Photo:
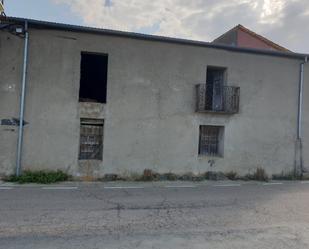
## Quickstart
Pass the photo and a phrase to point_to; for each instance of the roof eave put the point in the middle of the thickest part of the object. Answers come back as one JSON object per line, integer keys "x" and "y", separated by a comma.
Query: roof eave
{"x": 75, "y": 28}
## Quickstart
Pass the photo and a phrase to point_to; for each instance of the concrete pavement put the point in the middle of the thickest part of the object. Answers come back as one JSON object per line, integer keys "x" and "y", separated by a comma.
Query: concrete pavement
{"x": 155, "y": 215}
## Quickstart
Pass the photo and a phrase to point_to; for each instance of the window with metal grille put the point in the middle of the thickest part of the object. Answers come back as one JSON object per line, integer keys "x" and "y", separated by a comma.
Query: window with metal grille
{"x": 91, "y": 139}
{"x": 211, "y": 140}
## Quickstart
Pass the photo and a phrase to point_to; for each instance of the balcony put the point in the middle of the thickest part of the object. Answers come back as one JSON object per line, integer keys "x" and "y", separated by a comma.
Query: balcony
{"x": 217, "y": 99}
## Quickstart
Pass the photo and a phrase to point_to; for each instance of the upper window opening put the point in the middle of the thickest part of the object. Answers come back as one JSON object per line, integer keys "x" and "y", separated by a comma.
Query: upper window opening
{"x": 214, "y": 87}
{"x": 93, "y": 77}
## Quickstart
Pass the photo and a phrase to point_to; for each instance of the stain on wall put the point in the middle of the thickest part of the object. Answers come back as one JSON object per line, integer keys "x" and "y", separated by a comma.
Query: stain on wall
{"x": 12, "y": 122}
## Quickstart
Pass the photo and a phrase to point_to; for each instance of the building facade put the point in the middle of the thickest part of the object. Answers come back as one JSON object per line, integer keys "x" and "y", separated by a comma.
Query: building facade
{"x": 100, "y": 102}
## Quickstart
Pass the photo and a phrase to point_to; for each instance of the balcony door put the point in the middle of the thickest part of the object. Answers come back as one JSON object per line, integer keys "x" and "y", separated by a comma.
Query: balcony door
{"x": 214, "y": 88}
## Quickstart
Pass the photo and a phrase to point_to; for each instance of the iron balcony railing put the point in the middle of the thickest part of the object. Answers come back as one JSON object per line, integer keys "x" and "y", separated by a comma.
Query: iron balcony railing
{"x": 217, "y": 99}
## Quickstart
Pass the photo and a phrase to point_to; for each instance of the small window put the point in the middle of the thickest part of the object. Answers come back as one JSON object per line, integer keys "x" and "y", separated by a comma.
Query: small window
{"x": 211, "y": 140}
{"x": 91, "y": 139}
{"x": 93, "y": 78}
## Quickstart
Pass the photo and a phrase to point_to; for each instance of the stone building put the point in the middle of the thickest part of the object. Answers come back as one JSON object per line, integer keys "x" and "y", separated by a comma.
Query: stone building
{"x": 99, "y": 101}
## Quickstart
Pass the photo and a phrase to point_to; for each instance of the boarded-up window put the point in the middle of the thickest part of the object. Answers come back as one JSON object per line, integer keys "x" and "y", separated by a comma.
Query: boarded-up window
{"x": 91, "y": 139}
{"x": 211, "y": 140}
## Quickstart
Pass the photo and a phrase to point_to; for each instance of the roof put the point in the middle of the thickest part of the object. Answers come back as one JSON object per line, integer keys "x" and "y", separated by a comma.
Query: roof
{"x": 255, "y": 35}
{"x": 75, "y": 28}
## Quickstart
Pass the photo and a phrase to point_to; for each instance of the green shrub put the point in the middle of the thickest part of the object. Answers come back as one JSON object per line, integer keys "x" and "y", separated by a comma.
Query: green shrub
{"x": 44, "y": 177}
{"x": 169, "y": 176}
{"x": 189, "y": 176}
{"x": 133, "y": 177}
{"x": 111, "y": 178}
{"x": 214, "y": 176}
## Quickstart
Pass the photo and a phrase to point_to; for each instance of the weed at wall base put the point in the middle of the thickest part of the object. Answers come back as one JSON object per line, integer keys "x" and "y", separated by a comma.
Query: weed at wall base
{"x": 231, "y": 175}
{"x": 259, "y": 175}
{"x": 43, "y": 177}
{"x": 288, "y": 176}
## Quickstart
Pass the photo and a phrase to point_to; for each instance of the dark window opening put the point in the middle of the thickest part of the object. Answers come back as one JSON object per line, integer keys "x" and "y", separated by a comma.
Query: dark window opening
{"x": 93, "y": 77}
{"x": 214, "y": 88}
{"x": 91, "y": 139}
{"x": 211, "y": 140}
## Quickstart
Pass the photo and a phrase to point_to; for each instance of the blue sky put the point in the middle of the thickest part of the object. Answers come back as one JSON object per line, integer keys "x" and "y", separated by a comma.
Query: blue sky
{"x": 282, "y": 21}
{"x": 49, "y": 10}
{"x": 42, "y": 10}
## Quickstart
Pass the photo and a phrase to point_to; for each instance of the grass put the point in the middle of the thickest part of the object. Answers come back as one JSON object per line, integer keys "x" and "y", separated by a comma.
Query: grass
{"x": 43, "y": 177}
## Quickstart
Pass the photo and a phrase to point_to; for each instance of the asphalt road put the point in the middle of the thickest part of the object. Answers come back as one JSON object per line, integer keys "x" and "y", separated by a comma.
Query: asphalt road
{"x": 162, "y": 215}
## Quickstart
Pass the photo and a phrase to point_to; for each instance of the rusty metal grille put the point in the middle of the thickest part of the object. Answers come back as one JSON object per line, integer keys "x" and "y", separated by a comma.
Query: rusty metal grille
{"x": 209, "y": 140}
{"x": 224, "y": 99}
{"x": 91, "y": 140}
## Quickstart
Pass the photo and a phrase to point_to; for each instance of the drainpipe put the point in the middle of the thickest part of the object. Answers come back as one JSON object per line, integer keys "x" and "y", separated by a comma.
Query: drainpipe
{"x": 299, "y": 168}
{"x": 22, "y": 102}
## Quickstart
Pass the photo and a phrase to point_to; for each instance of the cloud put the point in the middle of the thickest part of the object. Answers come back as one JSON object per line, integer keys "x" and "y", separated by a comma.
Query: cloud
{"x": 280, "y": 20}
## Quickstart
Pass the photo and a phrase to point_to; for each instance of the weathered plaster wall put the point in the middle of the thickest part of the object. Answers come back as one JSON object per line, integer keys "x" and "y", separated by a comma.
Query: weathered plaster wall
{"x": 150, "y": 119}
{"x": 11, "y": 49}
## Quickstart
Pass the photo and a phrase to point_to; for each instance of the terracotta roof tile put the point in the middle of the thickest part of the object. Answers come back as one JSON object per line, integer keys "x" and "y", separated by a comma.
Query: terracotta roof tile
{"x": 257, "y": 36}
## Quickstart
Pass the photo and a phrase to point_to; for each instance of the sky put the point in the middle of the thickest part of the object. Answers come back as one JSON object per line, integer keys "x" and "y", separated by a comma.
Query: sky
{"x": 285, "y": 22}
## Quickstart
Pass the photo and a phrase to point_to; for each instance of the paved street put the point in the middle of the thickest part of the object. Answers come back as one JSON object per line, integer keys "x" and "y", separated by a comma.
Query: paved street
{"x": 160, "y": 215}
